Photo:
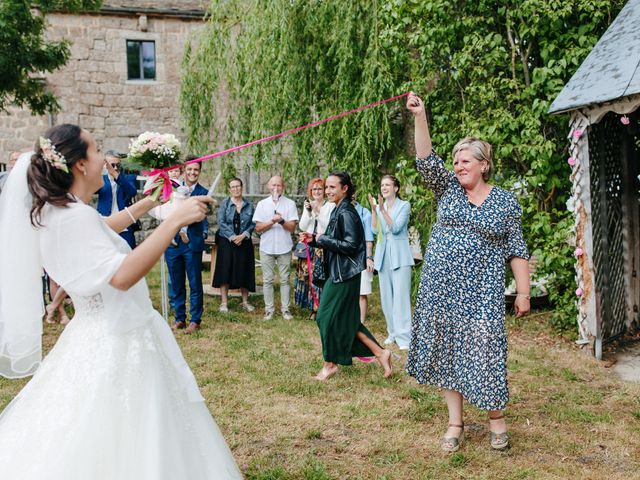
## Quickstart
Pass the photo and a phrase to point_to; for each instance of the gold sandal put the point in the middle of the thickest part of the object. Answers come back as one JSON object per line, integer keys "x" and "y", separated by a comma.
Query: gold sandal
{"x": 499, "y": 441}
{"x": 452, "y": 444}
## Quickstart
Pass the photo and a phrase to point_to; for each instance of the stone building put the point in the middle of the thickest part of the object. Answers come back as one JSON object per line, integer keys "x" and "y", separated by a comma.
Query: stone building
{"x": 123, "y": 76}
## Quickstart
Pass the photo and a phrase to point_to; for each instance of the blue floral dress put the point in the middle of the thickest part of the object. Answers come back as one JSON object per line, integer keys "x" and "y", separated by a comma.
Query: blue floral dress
{"x": 458, "y": 336}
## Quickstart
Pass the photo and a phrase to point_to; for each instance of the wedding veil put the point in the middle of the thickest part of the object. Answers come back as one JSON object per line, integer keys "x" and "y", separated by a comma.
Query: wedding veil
{"x": 21, "y": 300}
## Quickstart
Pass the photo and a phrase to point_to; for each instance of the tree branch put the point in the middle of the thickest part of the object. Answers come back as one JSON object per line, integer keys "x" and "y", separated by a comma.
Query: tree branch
{"x": 513, "y": 53}
{"x": 525, "y": 64}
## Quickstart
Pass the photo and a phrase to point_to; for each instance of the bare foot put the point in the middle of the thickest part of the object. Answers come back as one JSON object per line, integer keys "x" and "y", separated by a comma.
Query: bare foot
{"x": 50, "y": 314}
{"x": 326, "y": 373}
{"x": 385, "y": 361}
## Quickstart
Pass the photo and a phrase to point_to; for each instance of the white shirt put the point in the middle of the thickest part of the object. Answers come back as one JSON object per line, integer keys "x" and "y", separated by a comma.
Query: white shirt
{"x": 308, "y": 220}
{"x": 276, "y": 240}
{"x": 114, "y": 196}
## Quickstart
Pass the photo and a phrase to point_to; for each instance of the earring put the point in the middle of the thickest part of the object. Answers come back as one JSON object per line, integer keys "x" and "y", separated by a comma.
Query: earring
{"x": 84, "y": 172}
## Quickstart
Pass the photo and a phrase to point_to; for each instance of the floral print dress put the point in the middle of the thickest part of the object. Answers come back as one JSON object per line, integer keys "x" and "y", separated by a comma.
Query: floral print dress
{"x": 458, "y": 336}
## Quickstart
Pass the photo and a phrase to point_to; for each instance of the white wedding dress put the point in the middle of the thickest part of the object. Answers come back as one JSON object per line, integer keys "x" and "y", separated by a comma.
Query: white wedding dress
{"x": 114, "y": 399}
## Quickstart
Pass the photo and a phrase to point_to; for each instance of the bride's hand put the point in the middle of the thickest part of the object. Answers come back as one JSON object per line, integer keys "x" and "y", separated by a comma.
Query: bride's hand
{"x": 191, "y": 210}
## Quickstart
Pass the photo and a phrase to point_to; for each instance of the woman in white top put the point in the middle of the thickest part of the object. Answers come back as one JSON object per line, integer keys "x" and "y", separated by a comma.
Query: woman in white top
{"x": 315, "y": 218}
{"x": 114, "y": 398}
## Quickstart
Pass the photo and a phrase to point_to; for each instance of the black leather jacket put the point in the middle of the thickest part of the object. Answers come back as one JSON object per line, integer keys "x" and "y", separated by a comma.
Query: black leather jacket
{"x": 343, "y": 243}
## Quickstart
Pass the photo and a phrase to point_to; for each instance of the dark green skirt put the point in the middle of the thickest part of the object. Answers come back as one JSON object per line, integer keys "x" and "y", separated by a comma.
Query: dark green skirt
{"x": 338, "y": 319}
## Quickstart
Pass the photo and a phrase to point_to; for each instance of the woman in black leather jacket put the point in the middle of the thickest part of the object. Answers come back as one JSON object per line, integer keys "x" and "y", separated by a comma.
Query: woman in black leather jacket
{"x": 343, "y": 336}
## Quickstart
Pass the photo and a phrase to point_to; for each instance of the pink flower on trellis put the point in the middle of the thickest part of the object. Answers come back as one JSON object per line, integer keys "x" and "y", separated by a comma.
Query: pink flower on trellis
{"x": 571, "y": 161}
{"x": 579, "y": 292}
{"x": 577, "y": 133}
{"x": 578, "y": 252}
{"x": 625, "y": 120}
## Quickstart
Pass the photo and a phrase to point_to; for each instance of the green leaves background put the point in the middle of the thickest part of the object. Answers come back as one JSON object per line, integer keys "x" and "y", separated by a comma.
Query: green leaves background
{"x": 489, "y": 68}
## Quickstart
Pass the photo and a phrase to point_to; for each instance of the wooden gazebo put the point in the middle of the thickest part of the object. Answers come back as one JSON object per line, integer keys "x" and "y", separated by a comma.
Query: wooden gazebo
{"x": 603, "y": 99}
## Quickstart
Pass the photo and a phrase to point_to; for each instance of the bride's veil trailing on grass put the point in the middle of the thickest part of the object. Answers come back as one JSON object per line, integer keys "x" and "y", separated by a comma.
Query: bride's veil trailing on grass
{"x": 21, "y": 300}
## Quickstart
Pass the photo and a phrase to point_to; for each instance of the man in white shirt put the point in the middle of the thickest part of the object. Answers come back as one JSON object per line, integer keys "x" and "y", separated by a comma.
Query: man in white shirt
{"x": 276, "y": 217}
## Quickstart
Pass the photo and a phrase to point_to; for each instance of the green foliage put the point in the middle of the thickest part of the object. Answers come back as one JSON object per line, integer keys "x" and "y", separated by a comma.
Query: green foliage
{"x": 284, "y": 64}
{"x": 548, "y": 241}
{"x": 25, "y": 53}
{"x": 492, "y": 69}
{"x": 484, "y": 68}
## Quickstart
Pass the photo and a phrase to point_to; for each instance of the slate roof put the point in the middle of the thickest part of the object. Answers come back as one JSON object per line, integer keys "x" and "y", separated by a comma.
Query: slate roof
{"x": 611, "y": 70}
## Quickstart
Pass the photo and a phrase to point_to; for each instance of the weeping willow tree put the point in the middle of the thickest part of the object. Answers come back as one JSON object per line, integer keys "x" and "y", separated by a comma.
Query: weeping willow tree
{"x": 488, "y": 68}
{"x": 262, "y": 67}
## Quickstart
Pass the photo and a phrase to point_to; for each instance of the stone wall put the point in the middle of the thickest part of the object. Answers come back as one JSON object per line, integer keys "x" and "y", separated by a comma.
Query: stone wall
{"x": 93, "y": 89}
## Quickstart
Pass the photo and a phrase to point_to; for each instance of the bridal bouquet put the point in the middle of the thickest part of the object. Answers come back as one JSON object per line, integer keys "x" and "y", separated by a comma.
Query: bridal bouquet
{"x": 155, "y": 153}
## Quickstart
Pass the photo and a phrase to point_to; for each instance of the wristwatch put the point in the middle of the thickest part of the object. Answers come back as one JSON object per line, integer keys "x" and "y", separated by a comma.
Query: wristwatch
{"x": 281, "y": 221}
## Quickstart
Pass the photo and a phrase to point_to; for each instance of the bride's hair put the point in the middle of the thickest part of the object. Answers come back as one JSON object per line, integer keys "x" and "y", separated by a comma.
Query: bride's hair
{"x": 47, "y": 182}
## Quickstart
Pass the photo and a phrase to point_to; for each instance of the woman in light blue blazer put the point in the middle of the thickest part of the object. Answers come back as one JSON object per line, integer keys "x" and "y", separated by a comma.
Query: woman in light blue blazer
{"x": 393, "y": 260}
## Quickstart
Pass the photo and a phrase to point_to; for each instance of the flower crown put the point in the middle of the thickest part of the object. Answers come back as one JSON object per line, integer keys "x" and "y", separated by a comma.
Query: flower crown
{"x": 51, "y": 155}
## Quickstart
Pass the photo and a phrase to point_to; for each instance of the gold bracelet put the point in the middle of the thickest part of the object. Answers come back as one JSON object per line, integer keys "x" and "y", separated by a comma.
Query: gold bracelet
{"x": 133, "y": 219}
{"x": 525, "y": 295}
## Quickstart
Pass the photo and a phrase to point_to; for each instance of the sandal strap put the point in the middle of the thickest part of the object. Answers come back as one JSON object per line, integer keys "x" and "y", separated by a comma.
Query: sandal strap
{"x": 456, "y": 425}
{"x": 499, "y": 417}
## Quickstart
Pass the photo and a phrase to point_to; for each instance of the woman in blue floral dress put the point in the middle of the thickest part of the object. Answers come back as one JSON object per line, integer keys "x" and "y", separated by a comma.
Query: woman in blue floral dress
{"x": 459, "y": 340}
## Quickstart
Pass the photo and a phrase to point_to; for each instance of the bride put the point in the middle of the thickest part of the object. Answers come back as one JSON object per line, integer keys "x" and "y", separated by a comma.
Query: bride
{"x": 114, "y": 399}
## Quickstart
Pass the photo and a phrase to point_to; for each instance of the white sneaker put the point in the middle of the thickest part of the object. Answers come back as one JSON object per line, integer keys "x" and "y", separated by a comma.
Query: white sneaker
{"x": 388, "y": 341}
{"x": 223, "y": 307}
{"x": 286, "y": 315}
{"x": 267, "y": 316}
{"x": 248, "y": 307}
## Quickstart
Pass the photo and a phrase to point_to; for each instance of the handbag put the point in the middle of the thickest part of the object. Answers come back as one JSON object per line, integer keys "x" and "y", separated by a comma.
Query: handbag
{"x": 300, "y": 251}
{"x": 319, "y": 276}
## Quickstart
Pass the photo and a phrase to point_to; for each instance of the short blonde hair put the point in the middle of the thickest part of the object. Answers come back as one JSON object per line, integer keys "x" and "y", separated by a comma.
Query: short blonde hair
{"x": 480, "y": 150}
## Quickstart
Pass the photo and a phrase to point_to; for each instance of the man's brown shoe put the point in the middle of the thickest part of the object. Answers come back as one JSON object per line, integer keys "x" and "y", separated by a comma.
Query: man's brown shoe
{"x": 193, "y": 327}
{"x": 178, "y": 326}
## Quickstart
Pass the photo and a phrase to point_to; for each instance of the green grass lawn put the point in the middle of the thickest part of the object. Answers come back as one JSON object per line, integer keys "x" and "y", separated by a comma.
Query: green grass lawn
{"x": 569, "y": 416}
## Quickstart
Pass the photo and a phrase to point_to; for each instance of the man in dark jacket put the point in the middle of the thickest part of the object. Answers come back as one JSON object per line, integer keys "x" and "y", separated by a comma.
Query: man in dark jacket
{"x": 118, "y": 191}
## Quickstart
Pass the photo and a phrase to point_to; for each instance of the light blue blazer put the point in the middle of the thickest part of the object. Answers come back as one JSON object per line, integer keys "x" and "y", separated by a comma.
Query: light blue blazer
{"x": 393, "y": 244}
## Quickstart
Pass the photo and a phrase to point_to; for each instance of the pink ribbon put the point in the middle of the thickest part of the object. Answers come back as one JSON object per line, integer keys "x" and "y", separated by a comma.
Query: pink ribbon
{"x": 310, "y": 273}
{"x": 165, "y": 186}
{"x": 293, "y": 130}
{"x": 166, "y": 183}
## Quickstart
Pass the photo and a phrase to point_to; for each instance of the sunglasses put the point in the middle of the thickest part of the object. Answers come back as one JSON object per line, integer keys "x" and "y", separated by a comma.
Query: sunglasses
{"x": 116, "y": 166}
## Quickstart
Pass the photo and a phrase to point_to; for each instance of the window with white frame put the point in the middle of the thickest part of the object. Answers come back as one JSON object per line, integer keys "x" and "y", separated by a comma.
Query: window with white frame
{"x": 141, "y": 60}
